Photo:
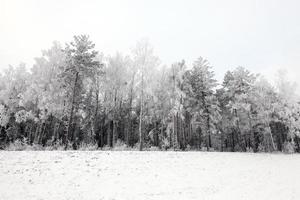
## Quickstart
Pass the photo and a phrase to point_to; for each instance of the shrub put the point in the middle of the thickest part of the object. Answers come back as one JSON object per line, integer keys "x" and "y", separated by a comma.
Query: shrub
{"x": 17, "y": 145}
{"x": 22, "y": 145}
{"x": 188, "y": 147}
{"x": 289, "y": 147}
{"x": 249, "y": 150}
{"x": 106, "y": 148}
{"x": 87, "y": 147}
{"x": 153, "y": 148}
{"x": 120, "y": 146}
{"x": 56, "y": 146}
{"x": 261, "y": 148}
{"x": 165, "y": 144}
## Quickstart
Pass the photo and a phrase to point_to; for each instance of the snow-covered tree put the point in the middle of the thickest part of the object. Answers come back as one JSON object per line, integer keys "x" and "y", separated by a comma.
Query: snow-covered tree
{"x": 203, "y": 103}
{"x": 146, "y": 62}
{"x": 81, "y": 64}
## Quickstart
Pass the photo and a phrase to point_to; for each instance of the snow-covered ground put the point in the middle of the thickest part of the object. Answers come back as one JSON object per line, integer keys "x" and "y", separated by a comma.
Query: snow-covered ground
{"x": 133, "y": 175}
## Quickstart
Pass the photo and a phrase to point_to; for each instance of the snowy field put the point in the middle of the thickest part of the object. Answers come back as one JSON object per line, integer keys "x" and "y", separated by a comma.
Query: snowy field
{"x": 148, "y": 175}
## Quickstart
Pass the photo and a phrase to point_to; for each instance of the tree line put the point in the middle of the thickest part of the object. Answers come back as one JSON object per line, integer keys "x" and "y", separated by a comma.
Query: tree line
{"x": 74, "y": 95}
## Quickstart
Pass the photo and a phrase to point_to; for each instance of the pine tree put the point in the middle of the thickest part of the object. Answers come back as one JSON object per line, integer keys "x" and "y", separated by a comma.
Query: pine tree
{"x": 237, "y": 86}
{"x": 204, "y": 105}
{"x": 81, "y": 64}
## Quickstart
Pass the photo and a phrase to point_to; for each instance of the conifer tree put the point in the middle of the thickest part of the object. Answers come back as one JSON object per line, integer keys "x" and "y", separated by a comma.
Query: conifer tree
{"x": 204, "y": 105}
{"x": 81, "y": 63}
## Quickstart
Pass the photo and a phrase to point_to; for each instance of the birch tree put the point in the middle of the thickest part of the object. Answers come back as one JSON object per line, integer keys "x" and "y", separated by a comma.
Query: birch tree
{"x": 146, "y": 62}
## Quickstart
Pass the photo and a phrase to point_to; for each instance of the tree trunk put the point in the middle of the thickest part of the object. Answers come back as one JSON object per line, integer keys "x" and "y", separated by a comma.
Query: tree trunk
{"x": 183, "y": 125}
{"x": 129, "y": 133}
{"x": 114, "y": 119}
{"x": 101, "y": 132}
{"x": 30, "y": 133}
{"x": 37, "y": 132}
{"x": 232, "y": 143}
{"x": 208, "y": 137}
{"x": 199, "y": 135}
{"x": 41, "y": 133}
{"x": 272, "y": 140}
{"x": 70, "y": 123}
{"x": 141, "y": 116}
{"x": 109, "y": 135}
{"x": 190, "y": 132}
{"x": 130, "y": 128}
{"x": 174, "y": 132}
{"x": 250, "y": 126}
{"x": 155, "y": 134}
{"x": 114, "y": 133}
{"x": 208, "y": 130}
{"x": 95, "y": 127}
{"x": 222, "y": 140}
{"x": 179, "y": 135}
{"x": 161, "y": 133}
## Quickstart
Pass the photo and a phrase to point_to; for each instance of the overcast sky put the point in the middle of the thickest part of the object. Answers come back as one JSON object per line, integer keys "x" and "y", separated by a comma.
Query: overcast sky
{"x": 262, "y": 35}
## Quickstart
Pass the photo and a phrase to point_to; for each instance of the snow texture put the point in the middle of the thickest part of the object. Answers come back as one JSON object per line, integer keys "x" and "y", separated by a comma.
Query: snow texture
{"x": 148, "y": 175}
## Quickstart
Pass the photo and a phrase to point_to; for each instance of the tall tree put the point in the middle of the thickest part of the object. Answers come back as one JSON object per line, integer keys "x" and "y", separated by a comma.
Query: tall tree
{"x": 176, "y": 77}
{"x": 117, "y": 77}
{"x": 46, "y": 95}
{"x": 81, "y": 63}
{"x": 146, "y": 62}
{"x": 237, "y": 86}
{"x": 200, "y": 89}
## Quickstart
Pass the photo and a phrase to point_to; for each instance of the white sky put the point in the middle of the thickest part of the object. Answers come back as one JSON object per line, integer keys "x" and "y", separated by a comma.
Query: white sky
{"x": 261, "y": 35}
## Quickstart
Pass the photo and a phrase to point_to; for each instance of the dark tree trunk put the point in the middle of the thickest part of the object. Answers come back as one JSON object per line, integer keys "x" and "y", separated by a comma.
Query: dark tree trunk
{"x": 70, "y": 123}
{"x": 109, "y": 142}
{"x": 232, "y": 141}
{"x": 114, "y": 133}
{"x": 222, "y": 141}
{"x": 199, "y": 138}
{"x": 141, "y": 136}
{"x": 101, "y": 137}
